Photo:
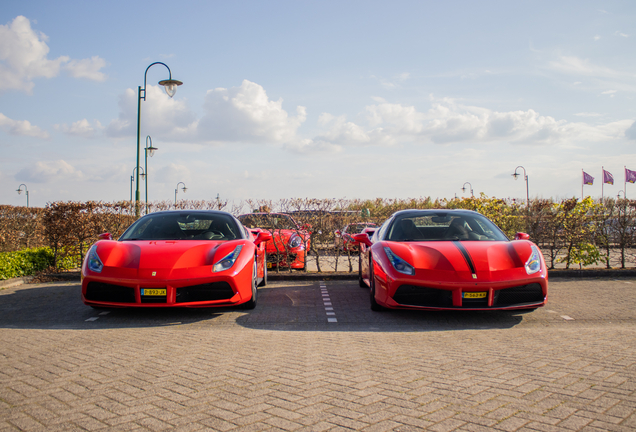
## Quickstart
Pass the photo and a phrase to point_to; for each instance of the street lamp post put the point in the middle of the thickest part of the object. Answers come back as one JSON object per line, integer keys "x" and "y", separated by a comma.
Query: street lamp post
{"x": 525, "y": 176}
{"x": 149, "y": 151}
{"x": 184, "y": 189}
{"x": 619, "y": 194}
{"x": 19, "y": 191}
{"x": 132, "y": 178}
{"x": 170, "y": 86}
{"x": 471, "y": 188}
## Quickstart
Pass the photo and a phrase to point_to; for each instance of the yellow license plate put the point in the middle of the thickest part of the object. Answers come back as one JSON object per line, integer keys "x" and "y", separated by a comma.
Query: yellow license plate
{"x": 269, "y": 265}
{"x": 153, "y": 292}
{"x": 472, "y": 295}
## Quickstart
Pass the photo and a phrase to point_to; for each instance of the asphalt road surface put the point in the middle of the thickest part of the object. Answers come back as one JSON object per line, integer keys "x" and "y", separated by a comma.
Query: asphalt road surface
{"x": 313, "y": 356}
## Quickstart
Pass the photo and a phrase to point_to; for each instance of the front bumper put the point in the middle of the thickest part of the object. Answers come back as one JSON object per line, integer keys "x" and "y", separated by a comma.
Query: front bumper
{"x": 217, "y": 291}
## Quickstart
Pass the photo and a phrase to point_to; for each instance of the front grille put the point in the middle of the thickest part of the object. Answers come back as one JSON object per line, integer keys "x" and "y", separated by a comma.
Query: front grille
{"x": 205, "y": 292}
{"x": 422, "y": 296}
{"x": 99, "y": 291}
{"x": 531, "y": 293}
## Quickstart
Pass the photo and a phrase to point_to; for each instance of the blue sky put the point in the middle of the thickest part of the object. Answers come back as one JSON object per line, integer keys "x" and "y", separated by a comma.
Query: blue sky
{"x": 317, "y": 99}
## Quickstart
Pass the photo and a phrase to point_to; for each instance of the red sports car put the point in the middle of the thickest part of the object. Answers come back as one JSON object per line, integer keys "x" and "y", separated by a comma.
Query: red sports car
{"x": 448, "y": 260}
{"x": 290, "y": 242}
{"x": 343, "y": 239}
{"x": 190, "y": 258}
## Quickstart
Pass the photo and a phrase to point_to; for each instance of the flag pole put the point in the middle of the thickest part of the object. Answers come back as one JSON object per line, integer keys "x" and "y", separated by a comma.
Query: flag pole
{"x": 582, "y": 183}
{"x": 625, "y": 184}
{"x": 602, "y": 182}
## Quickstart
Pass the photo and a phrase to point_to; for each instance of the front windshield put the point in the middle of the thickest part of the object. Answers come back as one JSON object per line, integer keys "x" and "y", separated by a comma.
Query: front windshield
{"x": 441, "y": 226}
{"x": 268, "y": 221}
{"x": 183, "y": 226}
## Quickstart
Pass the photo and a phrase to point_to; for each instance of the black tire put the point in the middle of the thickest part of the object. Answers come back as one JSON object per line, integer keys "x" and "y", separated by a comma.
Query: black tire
{"x": 375, "y": 307}
{"x": 264, "y": 280}
{"x": 361, "y": 281}
{"x": 251, "y": 304}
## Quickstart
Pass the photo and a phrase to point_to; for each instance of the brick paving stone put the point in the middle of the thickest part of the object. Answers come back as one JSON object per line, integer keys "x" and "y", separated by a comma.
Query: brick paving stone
{"x": 283, "y": 367}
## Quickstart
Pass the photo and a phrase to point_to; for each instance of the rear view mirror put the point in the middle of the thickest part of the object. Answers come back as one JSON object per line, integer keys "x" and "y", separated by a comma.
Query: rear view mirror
{"x": 522, "y": 236}
{"x": 262, "y": 236}
{"x": 362, "y": 238}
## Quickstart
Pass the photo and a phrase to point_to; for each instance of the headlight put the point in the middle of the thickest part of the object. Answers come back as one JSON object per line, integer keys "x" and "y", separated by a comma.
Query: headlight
{"x": 295, "y": 241}
{"x": 398, "y": 263}
{"x": 228, "y": 260}
{"x": 533, "y": 264}
{"x": 93, "y": 261}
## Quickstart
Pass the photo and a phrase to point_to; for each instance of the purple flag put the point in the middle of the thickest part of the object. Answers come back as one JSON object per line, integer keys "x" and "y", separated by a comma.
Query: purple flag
{"x": 630, "y": 176}
{"x": 608, "y": 177}
{"x": 587, "y": 179}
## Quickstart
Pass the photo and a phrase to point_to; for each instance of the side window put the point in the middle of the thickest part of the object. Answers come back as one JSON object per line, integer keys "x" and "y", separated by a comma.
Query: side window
{"x": 379, "y": 234}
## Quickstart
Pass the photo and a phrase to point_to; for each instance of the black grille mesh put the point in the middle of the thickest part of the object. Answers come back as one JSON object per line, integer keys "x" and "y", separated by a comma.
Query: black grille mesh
{"x": 99, "y": 291}
{"x": 205, "y": 292}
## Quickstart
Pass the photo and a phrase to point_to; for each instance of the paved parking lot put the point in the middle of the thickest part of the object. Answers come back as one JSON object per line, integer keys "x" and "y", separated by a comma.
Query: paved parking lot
{"x": 312, "y": 356}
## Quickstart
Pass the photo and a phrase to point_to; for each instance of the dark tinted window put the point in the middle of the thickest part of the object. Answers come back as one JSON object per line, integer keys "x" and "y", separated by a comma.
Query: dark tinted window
{"x": 428, "y": 226}
{"x": 183, "y": 226}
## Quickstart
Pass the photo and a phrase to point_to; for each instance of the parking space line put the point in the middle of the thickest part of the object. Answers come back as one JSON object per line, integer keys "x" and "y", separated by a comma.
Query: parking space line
{"x": 93, "y": 319}
{"x": 327, "y": 303}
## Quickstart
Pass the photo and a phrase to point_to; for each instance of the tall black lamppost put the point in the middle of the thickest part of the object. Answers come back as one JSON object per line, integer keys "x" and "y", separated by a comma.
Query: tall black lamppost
{"x": 525, "y": 176}
{"x": 471, "y": 188}
{"x": 132, "y": 178}
{"x": 19, "y": 191}
{"x": 170, "y": 86}
{"x": 184, "y": 189}
{"x": 149, "y": 151}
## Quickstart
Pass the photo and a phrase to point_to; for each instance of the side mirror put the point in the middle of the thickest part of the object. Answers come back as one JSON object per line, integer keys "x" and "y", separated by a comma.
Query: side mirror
{"x": 262, "y": 236}
{"x": 105, "y": 236}
{"x": 362, "y": 238}
{"x": 337, "y": 233}
{"x": 522, "y": 236}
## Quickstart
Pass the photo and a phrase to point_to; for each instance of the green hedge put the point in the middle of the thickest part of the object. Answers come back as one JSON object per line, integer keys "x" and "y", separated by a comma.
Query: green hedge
{"x": 28, "y": 261}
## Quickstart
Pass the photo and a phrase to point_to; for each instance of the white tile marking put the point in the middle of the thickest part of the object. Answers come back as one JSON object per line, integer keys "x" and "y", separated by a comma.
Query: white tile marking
{"x": 331, "y": 313}
{"x": 93, "y": 319}
{"x": 332, "y": 320}
{"x": 328, "y": 308}
{"x": 104, "y": 313}
{"x": 567, "y": 318}
{"x": 328, "y": 304}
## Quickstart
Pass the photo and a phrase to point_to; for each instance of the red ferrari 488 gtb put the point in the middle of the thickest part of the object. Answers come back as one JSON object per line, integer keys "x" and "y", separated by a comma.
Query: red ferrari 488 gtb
{"x": 449, "y": 260}
{"x": 191, "y": 258}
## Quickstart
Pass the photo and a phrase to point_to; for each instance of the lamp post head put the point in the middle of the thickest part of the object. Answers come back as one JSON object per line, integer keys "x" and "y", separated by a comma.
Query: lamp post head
{"x": 19, "y": 191}
{"x": 515, "y": 175}
{"x": 151, "y": 150}
{"x": 463, "y": 188}
{"x": 170, "y": 86}
{"x": 184, "y": 189}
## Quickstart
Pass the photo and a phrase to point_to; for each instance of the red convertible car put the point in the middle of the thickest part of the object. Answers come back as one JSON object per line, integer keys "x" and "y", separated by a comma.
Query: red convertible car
{"x": 448, "y": 260}
{"x": 185, "y": 258}
{"x": 343, "y": 239}
{"x": 290, "y": 242}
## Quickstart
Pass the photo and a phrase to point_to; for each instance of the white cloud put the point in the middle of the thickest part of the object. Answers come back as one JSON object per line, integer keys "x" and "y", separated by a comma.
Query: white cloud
{"x": 87, "y": 68}
{"x": 246, "y": 113}
{"x": 173, "y": 174}
{"x": 81, "y": 128}
{"x": 630, "y": 133}
{"x": 160, "y": 116}
{"x": 23, "y": 57}
{"x": 42, "y": 172}
{"x": 449, "y": 122}
{"x": 21, "y": 128}
{"x": 618, "y": 33}
{"x": 588, "y": 114}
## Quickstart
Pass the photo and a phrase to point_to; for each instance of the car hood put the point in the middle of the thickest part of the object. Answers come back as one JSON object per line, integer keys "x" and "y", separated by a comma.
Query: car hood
{"x": 472, "y": 259}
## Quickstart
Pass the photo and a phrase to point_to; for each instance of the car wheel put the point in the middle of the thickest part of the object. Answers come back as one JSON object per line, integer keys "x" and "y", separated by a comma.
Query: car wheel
{"x": 361, "y": 281}
{"x": 264, "y": 281}
{"x": 374, "y": 305}
{"x": 251, "y": 304}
